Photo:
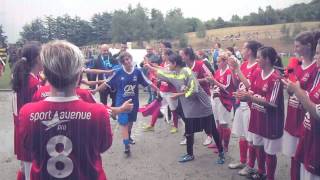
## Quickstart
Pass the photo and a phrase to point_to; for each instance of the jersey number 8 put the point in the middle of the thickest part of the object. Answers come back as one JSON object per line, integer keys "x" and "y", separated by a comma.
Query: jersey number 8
{"x": 59, "y": 165}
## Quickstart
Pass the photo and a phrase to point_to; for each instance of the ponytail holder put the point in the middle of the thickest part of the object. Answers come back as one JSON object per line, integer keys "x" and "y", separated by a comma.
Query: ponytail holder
{"x": 24, "y": 59}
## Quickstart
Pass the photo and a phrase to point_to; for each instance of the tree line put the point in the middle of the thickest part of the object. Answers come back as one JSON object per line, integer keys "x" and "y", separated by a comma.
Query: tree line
{"x": 141, "y": 24}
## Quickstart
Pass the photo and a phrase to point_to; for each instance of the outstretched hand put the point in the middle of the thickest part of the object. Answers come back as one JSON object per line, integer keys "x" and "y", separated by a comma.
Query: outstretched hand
{"x": 127, "y": 106}
{"x": 291, "y": 86}
{"x": 242, "y": 95}
{"x": 233, "y": 64}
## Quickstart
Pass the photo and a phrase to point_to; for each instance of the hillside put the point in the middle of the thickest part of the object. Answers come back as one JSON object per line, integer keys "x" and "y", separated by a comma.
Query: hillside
{"x": 268, "y": 35}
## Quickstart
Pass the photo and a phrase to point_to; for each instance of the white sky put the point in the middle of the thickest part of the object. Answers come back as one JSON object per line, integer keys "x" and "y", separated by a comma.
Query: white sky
{"x": 15, "y": 13}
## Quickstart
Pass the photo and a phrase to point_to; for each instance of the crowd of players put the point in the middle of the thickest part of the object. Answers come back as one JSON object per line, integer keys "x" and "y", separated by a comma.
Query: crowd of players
{"x": 61, "y": 131}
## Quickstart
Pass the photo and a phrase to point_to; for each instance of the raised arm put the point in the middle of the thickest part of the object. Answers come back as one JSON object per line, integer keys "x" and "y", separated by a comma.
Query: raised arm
{"x": 98, "y": 71}
{"x": 237, "y": 72}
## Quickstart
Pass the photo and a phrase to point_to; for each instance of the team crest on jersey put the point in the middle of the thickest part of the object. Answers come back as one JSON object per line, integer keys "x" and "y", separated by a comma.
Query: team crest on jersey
{"x": 135, "y": 78}
{"x": 307, "y": 122}
{"x": 265, "y": 87}
{"x": 305, "y": 77}
{"x": 122, "y": 78}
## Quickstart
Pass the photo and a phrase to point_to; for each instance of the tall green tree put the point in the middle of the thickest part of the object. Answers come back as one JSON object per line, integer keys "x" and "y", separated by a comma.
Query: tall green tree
{"x": 158, "y": 26}
{"x": 192, "y": 24}
{"x": 120, "y": 29}
{"x": 201, "y": 30}
{"x": 140, "y": 25}
{"x": 176, "y": 23}
{"x": 101, "y": 27}
{"x": 235, "y": 20}
{"x": 35, "y": 31}
{"x": 210, "y": 23}
{"x": 3, "y": 38}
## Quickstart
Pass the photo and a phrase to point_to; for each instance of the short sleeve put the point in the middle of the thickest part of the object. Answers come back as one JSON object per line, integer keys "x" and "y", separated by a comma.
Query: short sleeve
{"x": 318, "y": 109}
{"x": 104, "y": 130}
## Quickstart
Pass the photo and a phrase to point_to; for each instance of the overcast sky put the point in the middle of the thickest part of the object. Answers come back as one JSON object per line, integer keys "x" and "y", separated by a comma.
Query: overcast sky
{"x": 16, "y": 13}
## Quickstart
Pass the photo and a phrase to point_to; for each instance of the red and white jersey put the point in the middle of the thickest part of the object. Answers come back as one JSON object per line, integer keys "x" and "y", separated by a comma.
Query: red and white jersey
{"x": 25, "y": 95}
{"x": 44, "y": 92}
{"x": 295, "y": 113}
{"x": 201, "y": 71}
{"x": 19, "y": 99}
{"x": 267, "y": 121}
{"x": 66, "y": 137}
{"x": 225, "y": 95}
{"x": 308, "y": 150}
{"x": 165, "y": 86}
{"x": 247, "y": 72}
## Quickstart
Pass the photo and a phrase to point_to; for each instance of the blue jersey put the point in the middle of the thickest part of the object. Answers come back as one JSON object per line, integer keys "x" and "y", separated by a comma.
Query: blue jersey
{"x": 126, "y": 84}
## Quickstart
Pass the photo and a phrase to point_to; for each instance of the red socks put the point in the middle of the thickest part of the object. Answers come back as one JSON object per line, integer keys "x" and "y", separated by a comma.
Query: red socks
{"x": 226, "y": 138}
{"x": 20, "y": 175}
{"x": 154, "y": 116}
{"x": 271, "y": 161}
{"x": 252, "y": 156}
{"x": 175, "y": 119}
{"x": 243, "y": 146}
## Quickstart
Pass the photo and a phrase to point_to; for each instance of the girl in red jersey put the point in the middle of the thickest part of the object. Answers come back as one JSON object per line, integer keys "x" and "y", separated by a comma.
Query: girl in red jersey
{"x": 308, "y": 148}
{"x": 25, "y": 83}
{"x": 241, "y": 78}
{"x": 65, "y": 134}
{"x": 223, "y": 83}
{"x": 267, "y": 112}
{"x": 166, "y": 91}
{"x": 305, "y": 73}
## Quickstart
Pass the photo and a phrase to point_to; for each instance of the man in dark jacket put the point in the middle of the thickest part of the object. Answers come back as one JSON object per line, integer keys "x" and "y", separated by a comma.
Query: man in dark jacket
{"x": 105, "y": 61}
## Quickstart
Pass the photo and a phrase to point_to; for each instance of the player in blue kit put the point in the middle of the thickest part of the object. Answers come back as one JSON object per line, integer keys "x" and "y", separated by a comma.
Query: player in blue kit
{"x": 126, "y": 81}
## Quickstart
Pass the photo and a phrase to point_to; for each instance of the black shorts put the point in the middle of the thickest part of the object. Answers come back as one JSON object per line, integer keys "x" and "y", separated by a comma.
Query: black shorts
{"x": 193, "y": 125}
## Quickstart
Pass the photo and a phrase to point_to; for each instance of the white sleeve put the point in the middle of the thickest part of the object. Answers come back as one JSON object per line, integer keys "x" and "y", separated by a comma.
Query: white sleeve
{"x": 318, "y": 109}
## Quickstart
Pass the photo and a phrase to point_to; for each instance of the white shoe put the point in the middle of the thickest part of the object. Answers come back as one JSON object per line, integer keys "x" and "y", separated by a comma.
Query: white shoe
{"x": 237, "y": 165}
{"x": 184, "y": 141}
{"x": 246, "y": 171}
{"x": 207, "y": 141}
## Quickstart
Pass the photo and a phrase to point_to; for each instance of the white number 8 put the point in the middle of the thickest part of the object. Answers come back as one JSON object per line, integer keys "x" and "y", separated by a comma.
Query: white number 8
{"x": 59, "y": 165}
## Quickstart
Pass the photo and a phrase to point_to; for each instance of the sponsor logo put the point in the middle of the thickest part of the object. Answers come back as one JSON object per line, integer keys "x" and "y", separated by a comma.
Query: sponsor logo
{"x": 294, "y": 102}
{"x": 58, "y": 118}
{"x": 129, "y": 90}
{"x": 55, "y": 121}
{"x": 135, "y": 78}
{"x": 259, "y": 107}
{"x": 305, "y": 77}
{"x": 265, "y": 87}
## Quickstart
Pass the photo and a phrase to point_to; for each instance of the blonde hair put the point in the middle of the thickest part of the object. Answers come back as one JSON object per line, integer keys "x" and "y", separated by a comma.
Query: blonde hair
{"x": 63, "y": 62}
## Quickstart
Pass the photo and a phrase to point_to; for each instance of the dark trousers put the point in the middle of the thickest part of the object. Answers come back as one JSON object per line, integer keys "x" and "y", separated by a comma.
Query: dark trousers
{"x": 92, "y": 77}
{"x": 104, "y": 96}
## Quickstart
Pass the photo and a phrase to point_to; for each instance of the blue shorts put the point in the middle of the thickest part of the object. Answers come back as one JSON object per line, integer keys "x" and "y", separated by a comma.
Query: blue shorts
{"x": 125, "y": 118}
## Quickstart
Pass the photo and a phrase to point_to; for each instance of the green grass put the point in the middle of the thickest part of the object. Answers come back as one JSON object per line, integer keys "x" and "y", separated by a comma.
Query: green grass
{"x": 5, "y": 78}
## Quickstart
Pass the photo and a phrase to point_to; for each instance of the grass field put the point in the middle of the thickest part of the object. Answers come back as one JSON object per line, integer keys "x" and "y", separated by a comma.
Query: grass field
{"x": 5, "y": 78}
{"x": 269, "y": 35}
